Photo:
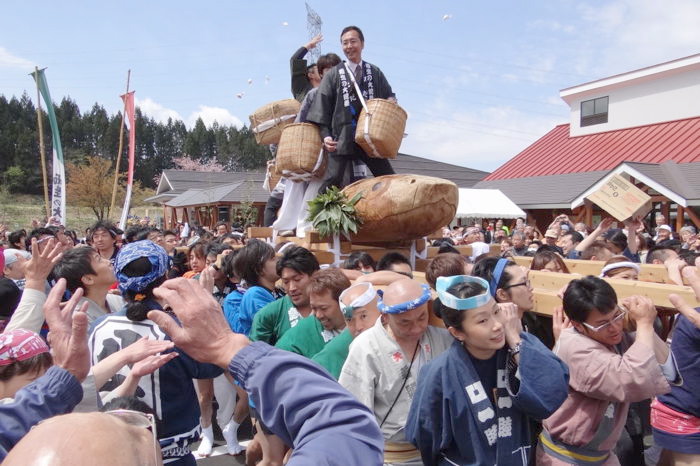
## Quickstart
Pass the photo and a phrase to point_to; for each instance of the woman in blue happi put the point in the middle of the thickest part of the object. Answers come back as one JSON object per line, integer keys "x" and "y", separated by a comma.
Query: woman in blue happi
{"x": 473, "y": 402}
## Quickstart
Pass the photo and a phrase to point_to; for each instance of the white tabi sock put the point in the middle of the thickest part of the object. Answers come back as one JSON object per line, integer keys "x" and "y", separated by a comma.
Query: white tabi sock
{"x": 207, "y": 442}
{"x": 230, "y": 433}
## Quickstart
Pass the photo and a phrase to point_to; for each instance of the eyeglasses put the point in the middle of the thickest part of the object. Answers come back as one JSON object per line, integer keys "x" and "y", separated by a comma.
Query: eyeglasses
{"x": 621, "y": 315}
{"x": 139, "y": 419}
{"x": 525, "y": 283}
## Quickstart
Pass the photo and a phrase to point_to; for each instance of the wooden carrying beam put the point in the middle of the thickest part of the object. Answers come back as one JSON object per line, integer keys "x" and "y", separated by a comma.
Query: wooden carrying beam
{"x": 658, "y": 292}
{"x": 648, "y": 272}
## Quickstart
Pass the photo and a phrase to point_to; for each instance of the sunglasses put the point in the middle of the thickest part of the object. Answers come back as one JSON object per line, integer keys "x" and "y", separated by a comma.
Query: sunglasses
{"x": 139, "y": 419}
{"x": 618, "y": 317}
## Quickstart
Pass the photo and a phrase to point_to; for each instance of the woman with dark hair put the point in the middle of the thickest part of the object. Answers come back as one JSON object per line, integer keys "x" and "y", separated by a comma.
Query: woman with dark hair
{"x": 140, "y": 268}
{"x": 197, "y": 259}
{"x": 255, "y": 265}
{"x": 548, "y": 261}
{"x": 509, "y": 284}
{"x": 507, "y": 374}
{"x": 360, "y": 260}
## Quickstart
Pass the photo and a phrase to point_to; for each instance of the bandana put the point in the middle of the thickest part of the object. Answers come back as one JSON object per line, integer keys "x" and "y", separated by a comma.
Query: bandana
{"x": 408, "y": 305}
{"x": 20, "y": 345}
{"x": 619, "y": 265}
{"x": 10, "y": 255}
{"x": 130, "y": 252}
{"x": 361, "y": 301}
{"x": 497, "y": 272}
{"x": 461, "y": 304}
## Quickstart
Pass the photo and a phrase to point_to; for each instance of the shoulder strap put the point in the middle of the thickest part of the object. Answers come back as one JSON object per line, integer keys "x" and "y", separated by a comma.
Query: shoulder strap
{"x": 357, "y": 87}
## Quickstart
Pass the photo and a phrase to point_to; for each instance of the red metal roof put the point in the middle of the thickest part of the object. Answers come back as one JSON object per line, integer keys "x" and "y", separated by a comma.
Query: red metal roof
{"x": 557, "y": 153}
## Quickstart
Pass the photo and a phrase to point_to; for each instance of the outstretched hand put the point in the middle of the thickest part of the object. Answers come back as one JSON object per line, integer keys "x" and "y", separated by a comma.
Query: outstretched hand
{"x": 205, "y": 335}
{"x": 68, "y": 331}
{"x": 42, "y": 262}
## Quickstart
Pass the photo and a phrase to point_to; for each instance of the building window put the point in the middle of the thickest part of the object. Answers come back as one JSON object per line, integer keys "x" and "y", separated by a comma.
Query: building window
{"x": 594, "y": 111}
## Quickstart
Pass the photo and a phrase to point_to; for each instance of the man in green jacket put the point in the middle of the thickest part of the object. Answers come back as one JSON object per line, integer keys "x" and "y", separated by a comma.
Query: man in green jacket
{"x": 295, "y": 268}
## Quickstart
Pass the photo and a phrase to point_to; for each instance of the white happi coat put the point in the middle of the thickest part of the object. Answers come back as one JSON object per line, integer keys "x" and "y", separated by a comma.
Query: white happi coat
{"x": 376, "y": 367}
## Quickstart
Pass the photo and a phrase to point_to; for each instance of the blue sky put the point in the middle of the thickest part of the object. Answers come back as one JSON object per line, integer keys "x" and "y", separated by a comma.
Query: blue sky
{"x": 479, "y": 80}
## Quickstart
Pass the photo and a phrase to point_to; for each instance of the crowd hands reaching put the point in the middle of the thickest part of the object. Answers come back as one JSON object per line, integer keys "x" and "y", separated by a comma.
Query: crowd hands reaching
{"x": 124, "y": 310}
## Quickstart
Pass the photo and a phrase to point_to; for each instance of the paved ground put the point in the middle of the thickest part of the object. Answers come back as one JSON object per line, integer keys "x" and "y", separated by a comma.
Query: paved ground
{"x": 219, "y": 456}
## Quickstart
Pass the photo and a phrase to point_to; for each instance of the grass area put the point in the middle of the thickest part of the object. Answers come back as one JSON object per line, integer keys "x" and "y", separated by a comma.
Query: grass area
{"x": 18, "y": 210}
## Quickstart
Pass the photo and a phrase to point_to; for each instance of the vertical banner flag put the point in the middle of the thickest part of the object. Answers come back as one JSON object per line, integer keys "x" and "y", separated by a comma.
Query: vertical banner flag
{"x": 58, "y": 178}
{"x": 128, "y": 99}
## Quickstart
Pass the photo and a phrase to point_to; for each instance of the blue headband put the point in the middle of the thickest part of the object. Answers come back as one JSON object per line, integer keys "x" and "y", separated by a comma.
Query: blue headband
{"x": 461, "y": 304}
{"x": 155, "y": 254}
{"x": 496, "y": 277}
{"x": 408, "y": 305}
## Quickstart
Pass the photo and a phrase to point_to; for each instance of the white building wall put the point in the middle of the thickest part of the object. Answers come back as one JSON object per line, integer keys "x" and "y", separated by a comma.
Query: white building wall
{"x": 652, "y": 99}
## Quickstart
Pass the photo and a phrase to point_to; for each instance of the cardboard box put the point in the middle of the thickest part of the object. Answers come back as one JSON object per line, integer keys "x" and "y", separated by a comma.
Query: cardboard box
{"x": 621, "y": 199}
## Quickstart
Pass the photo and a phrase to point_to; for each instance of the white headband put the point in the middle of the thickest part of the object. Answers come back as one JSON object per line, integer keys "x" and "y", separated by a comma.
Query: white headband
{"x": 362, "y": 300}
{"x": 619, "y": 265}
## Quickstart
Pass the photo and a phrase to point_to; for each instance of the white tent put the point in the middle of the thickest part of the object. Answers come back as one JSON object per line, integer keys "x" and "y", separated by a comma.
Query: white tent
{"x": 486, "y": 203}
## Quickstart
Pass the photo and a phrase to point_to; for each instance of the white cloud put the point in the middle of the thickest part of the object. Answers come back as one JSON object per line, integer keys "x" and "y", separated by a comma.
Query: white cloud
{"x": 482, "y": 139}
{"x": 156, "y": 111}
{"x": 632, "y": 34}
{"x": 552, "y": 25}
{"x": 8, "y": 60}
{"x": 211, "y": 114}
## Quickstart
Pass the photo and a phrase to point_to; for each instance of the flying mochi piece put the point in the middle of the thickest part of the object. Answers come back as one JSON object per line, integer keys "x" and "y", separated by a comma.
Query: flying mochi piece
{"x": 284, "y": 23}
{"x": 446, "y": 17}
{"x": 250, "y": 81}
{"x": 240, "y": 95}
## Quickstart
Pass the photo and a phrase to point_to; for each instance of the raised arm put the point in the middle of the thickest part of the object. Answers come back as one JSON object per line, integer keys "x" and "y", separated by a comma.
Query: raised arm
{"x": 296, "y": 399}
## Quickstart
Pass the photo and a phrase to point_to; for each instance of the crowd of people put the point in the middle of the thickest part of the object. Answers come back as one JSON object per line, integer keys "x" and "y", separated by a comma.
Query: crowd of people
{"x": 147, "y": 328}
{"x": 125, "y": 347}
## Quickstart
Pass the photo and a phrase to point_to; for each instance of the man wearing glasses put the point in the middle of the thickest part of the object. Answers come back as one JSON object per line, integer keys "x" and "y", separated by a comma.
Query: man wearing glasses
{"x": 609, "y": 369}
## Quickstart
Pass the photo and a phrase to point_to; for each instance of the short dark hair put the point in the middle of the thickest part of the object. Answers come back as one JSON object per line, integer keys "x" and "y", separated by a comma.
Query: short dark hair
{"x": 198, "y": 249}
{"x": 214, "y": 249}
{"x": 250, "y": 261}
{"x": 358, "y": 259}
{"x": 299, "y": 259}
{"x": 454, "y": 317}
{"x": 110, "y": 227}
{"x": 169, "y": 232}
{"x": 444, "y": 265}
{"x": 353, "y": 28}
{"x": 74, "y": 265}
{"x": 228, "y": 264}
{"x": 35, "y": 364}
{"x": 328, "y": 60}
{"x": 617, "y": 237}
{"x": 16, "y": 236}
{"x": 594, "y": 250}
{"x": 331, "y": 279}
{"x": 544, "y": 256}
{"x": 37, "y": 232}
{"x": 658, "y": 252}
{"x": 587, "y": 294}
{"x": 392, "y": 258}
{"x": 485, "y": 267}
{"x": 576, "y": 237}
{"x": 135, "y": 233}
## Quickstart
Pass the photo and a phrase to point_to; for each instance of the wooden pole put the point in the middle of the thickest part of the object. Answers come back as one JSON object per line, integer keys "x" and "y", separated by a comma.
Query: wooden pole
{"x": 42, "y": 148}
{"x": 680, "y": 211}
{"x": 119, "y": 152}
{"x": 693, "y": 217}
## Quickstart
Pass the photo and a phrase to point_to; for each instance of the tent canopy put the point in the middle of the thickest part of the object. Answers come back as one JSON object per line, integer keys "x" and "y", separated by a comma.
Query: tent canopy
{"x": 486, "y": 203}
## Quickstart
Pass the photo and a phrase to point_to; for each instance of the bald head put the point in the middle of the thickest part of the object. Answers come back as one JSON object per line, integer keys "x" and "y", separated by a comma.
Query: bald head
{"x": 85, "y": 439}
{"x": 402, "y": 291}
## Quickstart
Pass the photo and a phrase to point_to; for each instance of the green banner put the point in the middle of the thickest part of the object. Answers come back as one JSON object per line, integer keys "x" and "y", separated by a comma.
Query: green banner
{"x": 58, "y": 178}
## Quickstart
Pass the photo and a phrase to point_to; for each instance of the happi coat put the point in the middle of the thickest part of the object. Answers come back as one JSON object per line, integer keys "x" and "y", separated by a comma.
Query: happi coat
{"x": 333, "y": 355}
{"x": 307, "y": 338}
{"x": 272, "y": 321}
{"x": 453, "y": 421}
{"x": 374, "y": 372}
{"x": 336, "y": 107}
{"x": 603, "y": 382}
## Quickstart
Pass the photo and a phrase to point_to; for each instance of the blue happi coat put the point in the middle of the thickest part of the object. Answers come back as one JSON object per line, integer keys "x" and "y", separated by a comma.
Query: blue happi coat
{"x": 454, "y": 422}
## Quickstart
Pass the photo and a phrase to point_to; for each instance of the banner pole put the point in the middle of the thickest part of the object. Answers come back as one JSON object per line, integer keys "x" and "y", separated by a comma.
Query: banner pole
{"x": 119, "y": 152}
{"x": 42, "y": 148}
